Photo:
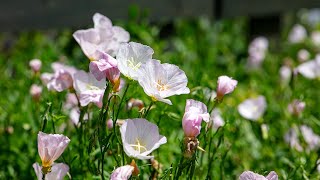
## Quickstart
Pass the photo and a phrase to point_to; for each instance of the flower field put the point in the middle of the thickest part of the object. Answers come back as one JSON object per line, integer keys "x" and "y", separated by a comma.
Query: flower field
{"x": 195, "y": 99}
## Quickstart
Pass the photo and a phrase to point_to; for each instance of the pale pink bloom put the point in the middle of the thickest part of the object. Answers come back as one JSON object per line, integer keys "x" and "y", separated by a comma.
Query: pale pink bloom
{"x": 160, "y": 81}
{"x": 225, "y": 86}
{"x": 130, "y": 58}
{"x": 253, "y": 108}
{"x": 296, "y": 107}
{"x": 291, "y": 137}
{"x": 303, "y": 55}
{"x": 71, "y": 101}
{"x": 45, "y": 78}
{"x": 62, "y": 77}
{"x": 257, "y": 51}
{"x": 135, "y": 103}
{"x": 35, "y": 91}
{"x": 217, "y": 120}
{"x": 315, "y": 38}
{"x": 103, "y": 37}
{"x": 35, "y": 65}
{"x": 75, "y": 115}
{"x": 122, "y": 173}
{"x": 50, "y": 147}
{"x": 297, "y": 34}
{"x": 312, "y": 139}
{"x": 249, "y": 175}
{"x": 285, "y": 74}
{"x": 310, "y": 69}
{"x": 195, "y": 112}
{"x": 58, "y": 171}
{"x": 87, "y": 87}
{"x": 140, "y": 138}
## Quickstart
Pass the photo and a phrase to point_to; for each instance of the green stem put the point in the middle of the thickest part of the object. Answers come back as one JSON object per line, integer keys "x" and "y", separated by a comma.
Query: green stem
{"x": 147, "y": 112}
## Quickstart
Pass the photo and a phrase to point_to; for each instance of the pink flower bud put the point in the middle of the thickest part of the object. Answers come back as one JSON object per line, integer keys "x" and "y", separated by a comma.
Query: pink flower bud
{"x": 35, "y": 65}
{"x": 123, "y": 172}
{"x": 35, "y": 92}
{"x": 195, "y": 112}
{"x": 135, "y": 103}
{"x": 50, "y": 147}
{"x": 110, "y": 124}
{"x": 225, "y": 86}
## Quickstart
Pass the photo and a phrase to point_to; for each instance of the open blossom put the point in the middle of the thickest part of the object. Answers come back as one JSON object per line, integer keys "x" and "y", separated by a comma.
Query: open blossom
{"x": 297, "y": 34}
{"x": 225, "y": 86}
{"x": 195, "y": 112}
{"x": 35, "y": 92}
{"x": 89, "y": 90}
{"x": 257, "y": 51}
{"x": 217, "y": 120}
{"x": 291, "y": 137}
{"x": 249, "y": 175}
{"x": 50, "y": 147}
{"x": 253, "y": 108}
{"x": 140, "y": 138}
{"x": 103, "y": 37}
{"x": 312, "y": 139}
{"x": 160, "y": 81}
{"x": 130, "y": 58}
{"x": 296, "y": 107}
{"x": 35, "y": 65}
{"x": 62, "y": 77}
{"x": 310, "y": 69}
{"x": 315, "y": 38}
{"x": 122, "y": 173}
{"x": 58, "y": 171}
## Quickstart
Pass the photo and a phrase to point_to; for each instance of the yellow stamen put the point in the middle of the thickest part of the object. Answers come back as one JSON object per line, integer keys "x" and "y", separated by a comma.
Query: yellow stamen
{"x": 138, "y": 146}
{"x": 131, "y": 63}
{"x": 161, "y": 86}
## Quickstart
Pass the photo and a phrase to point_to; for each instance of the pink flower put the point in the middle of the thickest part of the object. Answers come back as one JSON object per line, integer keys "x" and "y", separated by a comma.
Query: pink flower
{"x": 75, "y": 115}
{"x": 249, "y": 175}
{"x": 291, "y": 137}
{"x": 216, "y": 119}
{"x": 311, "y": 138}
{"x": 71, "y": 101}
{"x": 45, "y": 78}
{"x": 195, "y": 112}
{"x": 50, "y": 147}
{"x": 35, "y": 65}
{"x": 257, "y": 51}
{"x": 297, "y": 34}
{"x": 89, "y": 90}
{"x": 110, "y": 124}
{"x": 253, "y": 108}
{"x": 225, "y": 86}
{"x": 103, "y": 37}
{"x": 35, "y": 92}
{"x": 122, "y": 173}
{"x": 303, "y": 55}
{"x": 285, "y": 74}
{"x": 58, "y": 171}
{"x": 296, "y": 107}
{"x": 62, "y": 77}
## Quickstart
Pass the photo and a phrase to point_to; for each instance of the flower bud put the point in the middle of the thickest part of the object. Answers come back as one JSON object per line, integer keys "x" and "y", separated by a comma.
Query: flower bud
{"x": 35, "y": 92}
{"x": 296, "y": 107}
{"x": 225, "y": 86}
{"x": 35, "y": 65}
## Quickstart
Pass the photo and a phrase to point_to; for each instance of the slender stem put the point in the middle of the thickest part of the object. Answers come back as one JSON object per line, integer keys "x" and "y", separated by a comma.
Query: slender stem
{"x": 147, "y": 112}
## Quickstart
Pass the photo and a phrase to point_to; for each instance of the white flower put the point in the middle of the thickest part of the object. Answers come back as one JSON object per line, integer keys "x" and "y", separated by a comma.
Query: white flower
{"x": 297, "y": 34}
{"x": 35, "y": 65}
{"x": 291, "y": 137}
{"x": 217, "y": 120}
{"x": 50, "y": 147}
{"x": 75, "y": 115}
{"x": 285, "y": 74}
{"x": 303, "y": 55}
{"x": 310, "y": 69}
{"x": 257, "y": 51}
{"x": 315, "y": 38}
{"x": 312, "y": 139}
{"x": 88, "y": 88}
{"x": 58, "y": 171}
{"x": 140, "y": 138}
{"x": 160, "y": 81}
{"x": 253, "y": 108}
{"x": 249, "y": 175}
{"x": 130, "y": 58}
{"x": 103, "y": 37}
{"x": 122, "y": 173}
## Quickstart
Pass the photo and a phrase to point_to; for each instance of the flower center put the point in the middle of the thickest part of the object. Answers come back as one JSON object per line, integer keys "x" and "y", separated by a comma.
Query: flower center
{"x": 132, "y": 64}
{"x": 138, "y": 146}
{"x": 91, "y": 87}
{"x": 161, "y": 86}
